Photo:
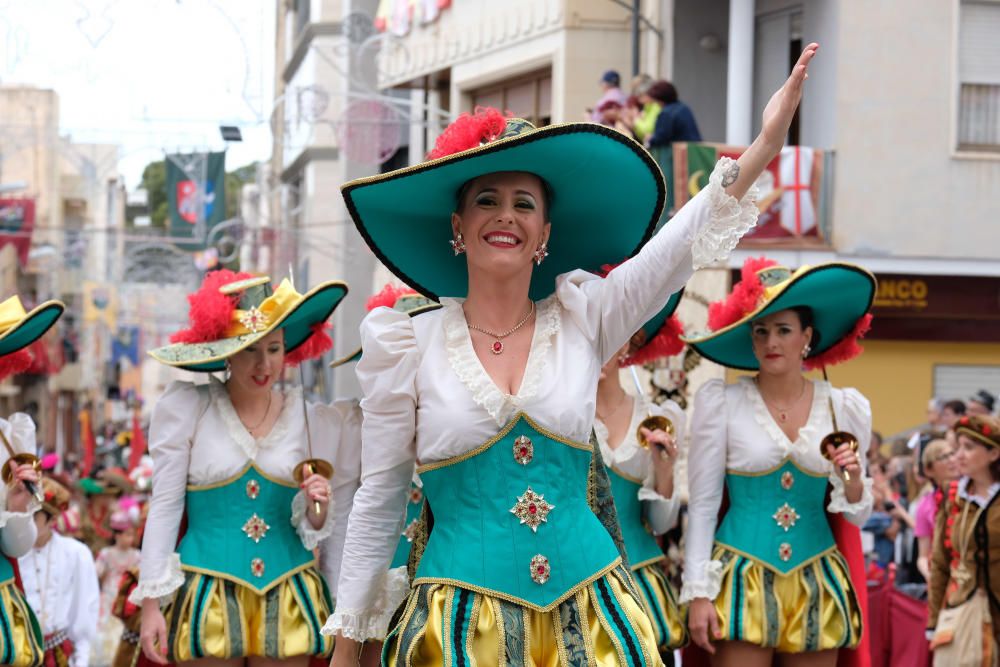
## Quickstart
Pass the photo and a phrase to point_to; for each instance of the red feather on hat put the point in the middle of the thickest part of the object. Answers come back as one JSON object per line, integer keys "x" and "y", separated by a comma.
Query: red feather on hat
{"x": 744, "y": 298}
{"x": 469, "y": 131}
{"x": 845, "y": 350}
{"x": 666, "y": 343}
{"x": 15, "y": 362}
{"x": 387, "y": 296}
{"x": 318, "y": 343}
{"x": 211, "y": 311}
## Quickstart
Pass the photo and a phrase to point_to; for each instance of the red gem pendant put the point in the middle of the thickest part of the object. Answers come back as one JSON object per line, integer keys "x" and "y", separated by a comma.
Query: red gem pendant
{"x": 497, "y": 347}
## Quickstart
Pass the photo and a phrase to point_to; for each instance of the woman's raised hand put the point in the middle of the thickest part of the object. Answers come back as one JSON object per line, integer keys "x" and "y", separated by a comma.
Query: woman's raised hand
{"x": 780, "y": 109}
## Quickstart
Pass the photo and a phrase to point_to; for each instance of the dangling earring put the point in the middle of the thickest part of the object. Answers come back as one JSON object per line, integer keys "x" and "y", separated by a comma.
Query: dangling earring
{"x": 229, "y": 370}
{"x": 458, "y": 244}
{"x": 805, "y": 351}
{"x": 541, "y": 252}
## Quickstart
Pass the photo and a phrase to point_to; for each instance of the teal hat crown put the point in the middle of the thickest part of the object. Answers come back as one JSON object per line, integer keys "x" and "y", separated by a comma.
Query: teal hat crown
{"x": 608, "y": 195}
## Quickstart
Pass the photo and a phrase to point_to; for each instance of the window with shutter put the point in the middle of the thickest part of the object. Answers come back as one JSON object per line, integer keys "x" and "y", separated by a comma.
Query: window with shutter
{"x": 979, "y": 75}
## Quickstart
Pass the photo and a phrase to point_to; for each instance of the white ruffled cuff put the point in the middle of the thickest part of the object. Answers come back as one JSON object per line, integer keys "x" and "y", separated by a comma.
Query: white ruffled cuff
{"x": 730, "y": 219}
{"x": 838, "y": 501}
{"x": 372, "y": 623}
{"x": 26, "y": 515}
{"x": 311, "y": 537}
{"x": 161, "y": 589}
{"x": 650, "y": 495}
{"x": 706, "y": 587}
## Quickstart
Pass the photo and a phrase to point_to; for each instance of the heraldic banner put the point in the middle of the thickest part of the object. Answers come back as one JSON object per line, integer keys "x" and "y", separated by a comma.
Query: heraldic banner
{"x": 17, "y": 220}
{"x": 194, "y": 178}
{"x": 792, "y": 196}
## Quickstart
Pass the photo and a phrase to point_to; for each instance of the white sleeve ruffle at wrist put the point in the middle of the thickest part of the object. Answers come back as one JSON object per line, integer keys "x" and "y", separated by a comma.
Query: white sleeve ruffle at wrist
{"x": 838, "y": 501}
{"x": 311, "y": 537}
{"x": 707, "y": 586}
{"x": 731, "y": 219}
{"x": 372, "y": 623}
{"x": 27, "y": 515}
{"x": 161, "y": 589}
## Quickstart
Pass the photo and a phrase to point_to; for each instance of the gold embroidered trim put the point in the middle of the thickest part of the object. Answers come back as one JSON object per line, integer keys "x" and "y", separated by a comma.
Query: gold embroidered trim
{"x": 244, "y": 583}
{"x": 446, "y": 632}
{"x": 776, "y": 468}
{"x": 765, "y": 564}
{"x": 504, "y": 432}
{"x": 650, "y": 561}
{"x": 608, "y": 630}
{"x": 583, "y": 602}
{"x": 513, "y": 598}
{"x": 229, "y": 480}
{"x": 627, "y": 478}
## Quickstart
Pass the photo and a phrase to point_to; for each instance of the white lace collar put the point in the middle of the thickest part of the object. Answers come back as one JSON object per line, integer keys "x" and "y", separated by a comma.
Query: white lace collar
{"x": 811, "y": 432}
{"x": 462, "y": 356}
{"x": 982, "y": 501}
{"x": 239, "y": 433}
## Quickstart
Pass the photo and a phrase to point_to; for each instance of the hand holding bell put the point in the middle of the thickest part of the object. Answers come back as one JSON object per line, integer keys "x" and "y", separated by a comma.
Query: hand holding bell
{"x": 836, "y": 448}
{"x": 23, "y": 468}
{"x": 654, "y": 423}
{"x": 311, "y": 467}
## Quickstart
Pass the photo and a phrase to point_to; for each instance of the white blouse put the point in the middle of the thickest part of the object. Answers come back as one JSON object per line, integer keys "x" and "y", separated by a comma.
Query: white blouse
{"x": 635, "y": 461}
{"x": 17, "y": 529}
{"x": 732, "y": 424}
{"x": 428, "y": 398}
{"x": 196, "y": 438}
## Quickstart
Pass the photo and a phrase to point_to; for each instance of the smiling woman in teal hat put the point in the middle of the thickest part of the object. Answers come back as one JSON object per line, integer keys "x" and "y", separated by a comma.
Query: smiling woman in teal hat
{"x": 774, "y": 576}
{"x": 243, "y": 582}
{"x": 21, "y": 640}
{"x": 494, "y": 393}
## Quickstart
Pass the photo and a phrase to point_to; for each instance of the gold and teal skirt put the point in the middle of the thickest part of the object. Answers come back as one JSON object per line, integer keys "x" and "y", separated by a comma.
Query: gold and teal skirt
{"x": 660, "y": 602}
{"x": 20, "y": 634}
{"x": 812, "y": 608}
{"x": 211, "y": 617}
{"x": 602, "y": 623}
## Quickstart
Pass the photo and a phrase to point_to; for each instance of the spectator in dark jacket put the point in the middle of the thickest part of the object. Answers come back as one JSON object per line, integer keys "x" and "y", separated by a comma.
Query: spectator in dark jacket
{"x": 675, "y": 122}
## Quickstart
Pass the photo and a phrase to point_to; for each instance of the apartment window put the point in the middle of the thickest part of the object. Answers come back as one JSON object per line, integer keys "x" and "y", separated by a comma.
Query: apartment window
{"x": 528, "y": 96}
{"x": 979, "y": 76}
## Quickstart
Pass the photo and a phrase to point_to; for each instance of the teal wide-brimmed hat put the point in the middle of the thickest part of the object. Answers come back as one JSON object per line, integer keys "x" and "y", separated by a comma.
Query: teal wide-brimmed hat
{"x": 607, "y": 196}
{"x": 662, "y": 335}
{"x": 402, "y": 299}
{"x": 20, "y": 328}
{"x": 231, "y": 312}
{"x": 838, "y": 294}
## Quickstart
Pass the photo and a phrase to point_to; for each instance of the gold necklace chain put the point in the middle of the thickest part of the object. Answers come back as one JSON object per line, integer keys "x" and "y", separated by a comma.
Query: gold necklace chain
{"x": 251, "y": 429}
{"x": 613, "y": 412}
{"x": 497, "y": 347}
{"x": 778, "y": 407}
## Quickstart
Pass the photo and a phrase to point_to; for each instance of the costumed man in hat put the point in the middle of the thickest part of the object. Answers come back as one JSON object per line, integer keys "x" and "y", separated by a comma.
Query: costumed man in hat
{"x": 260, "y": 475}
{"x": 639, "y": 442}
{"x": 782, "y": 573}
{"x": 494, "y": 393}
{"x": 981, "y": 404}
{"x": 60, "y": 582}
{"x": 21, "y": 642}
{"x": 112, "y": 563}
{"x": 95, "y": 518}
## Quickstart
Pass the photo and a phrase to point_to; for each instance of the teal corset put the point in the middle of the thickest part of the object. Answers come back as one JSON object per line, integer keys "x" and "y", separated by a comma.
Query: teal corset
{"x": 6, "y": 570}
{"x": 240, "y": 529}
{"x": 777, "y": 517}
{"x": 413, "y": 507}
{"x": 640, "y": 545}
{"x": 511, "y": 518}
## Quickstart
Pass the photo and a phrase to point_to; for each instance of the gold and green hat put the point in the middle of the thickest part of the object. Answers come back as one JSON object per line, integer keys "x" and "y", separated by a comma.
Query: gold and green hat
{"x": 838, "y": 294}
{"x": 402, "y": 299}
{"x": 20, "y": 328}
{"x": 607, "y": 197}
{"x": 232, "y": 311}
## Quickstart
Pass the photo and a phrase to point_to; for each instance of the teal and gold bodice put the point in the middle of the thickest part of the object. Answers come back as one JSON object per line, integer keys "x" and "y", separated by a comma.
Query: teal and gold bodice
{"x": 240, "y": 529}
{"x": 6, "y": 570}
{"x": 640, "y": 545}
{"x": 512, "y": 518}
{"x": 777, "y": 517}
{"x": 414, "y": 503}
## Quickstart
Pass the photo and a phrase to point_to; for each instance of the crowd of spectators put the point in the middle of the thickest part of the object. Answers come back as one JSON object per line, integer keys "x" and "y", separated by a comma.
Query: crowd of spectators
{"x": 652, "y": 113}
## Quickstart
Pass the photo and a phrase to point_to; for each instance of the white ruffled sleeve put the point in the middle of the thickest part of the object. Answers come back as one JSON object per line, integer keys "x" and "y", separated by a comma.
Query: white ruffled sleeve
{"x": 703, "y": 231}
{"x": 171, "y": 430}
{"x": 367, "y": 595}
{"x": 346, "y": 478}
{"x": 17, "y": 529}
{"x": 854, "y": 415}
{"x": 706, "y": 477}
{"x": 661, "y": 513}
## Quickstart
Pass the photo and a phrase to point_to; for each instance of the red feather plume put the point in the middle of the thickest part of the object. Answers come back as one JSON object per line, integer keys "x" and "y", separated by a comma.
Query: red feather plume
{"x": 318, "y": 343}
{"x": 666, "y": 343}
{"x": 845, "y": 350}
{"x": 469, "y": 131}
{"x": 387, "y": 296}
{"x": 15, "y": 362}
{"x": 743, "y": 299}
{"x": 210, "y": 311}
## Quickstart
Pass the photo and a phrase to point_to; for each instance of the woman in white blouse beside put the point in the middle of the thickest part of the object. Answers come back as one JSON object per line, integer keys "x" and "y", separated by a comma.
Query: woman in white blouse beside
{"x": 231, "y": 457}
{"x": 641, "y": 471}
{"x": 770, "y": 578}
{"x": 494, "y": 394}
